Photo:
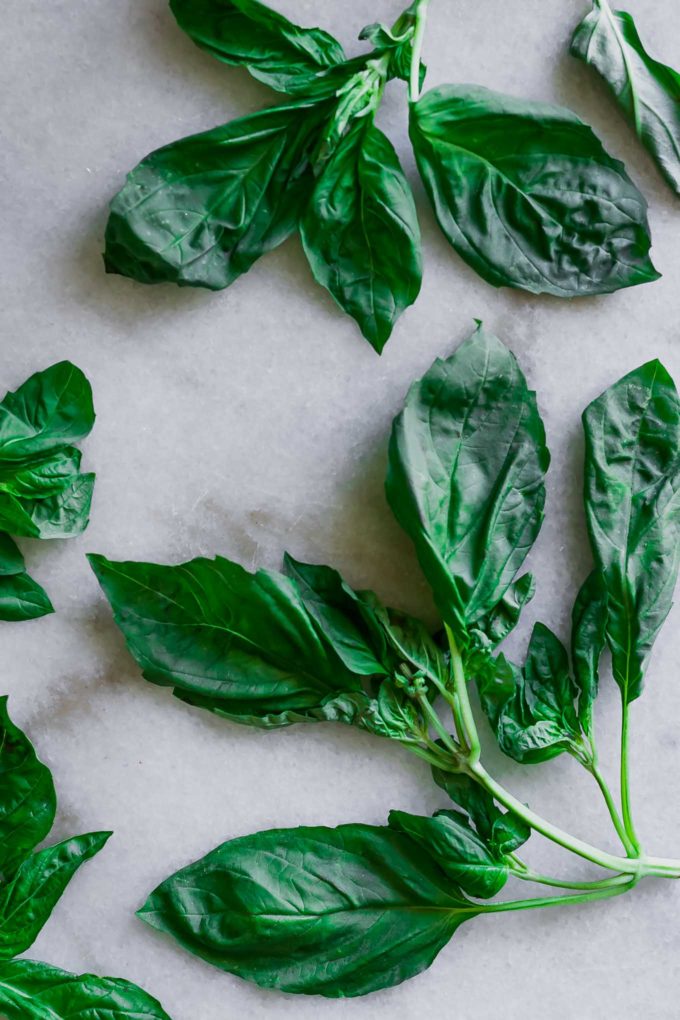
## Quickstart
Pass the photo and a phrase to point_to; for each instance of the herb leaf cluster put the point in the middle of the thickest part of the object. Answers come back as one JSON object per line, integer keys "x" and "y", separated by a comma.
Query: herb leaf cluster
{"x": 31, "y": 884}
{"x": 43, "y": 493}
{"x": 346, "y": 911}
{"x": 523, "y": 191}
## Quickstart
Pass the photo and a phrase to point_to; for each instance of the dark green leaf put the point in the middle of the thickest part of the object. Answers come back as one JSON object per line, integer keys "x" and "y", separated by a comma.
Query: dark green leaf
{"x": 11, "y": 559}
{"x": 22, "y": 598}
{"x": 457, "y": 849}
{"x": 36, "y": 991}
{"x": 648, "y": 92}
{"x": 50, "y": 410}
{"x": 526, "y": 194}
{"x": 350, "y": 708}
{"x": 201, "y": 211}
{"x": 27, "y": 799}
{"x": 466, "y": 476}
{"x": 632, "y": 484}
{"x": 360, "y": 232}
{"x": 504, "y": 617}
{"x": 244, "y": 32}
{"x": 334, "y": 912}
{"x": 209, "y": 628}
{"x": 27, "y": 901}
{"x": 588, "y": 638}
{"x": 500, "y": 830}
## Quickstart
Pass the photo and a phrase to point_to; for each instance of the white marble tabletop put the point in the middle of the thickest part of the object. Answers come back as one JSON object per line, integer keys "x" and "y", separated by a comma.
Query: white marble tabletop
{"x": 254, "y": 421}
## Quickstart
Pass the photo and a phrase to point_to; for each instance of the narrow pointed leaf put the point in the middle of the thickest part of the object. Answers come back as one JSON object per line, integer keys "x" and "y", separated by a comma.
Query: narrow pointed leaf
{"x": 632, "y": 493}
{"x": 588, "y": 638}
{"x": 244, "y": 32}
{"x": 360, "y": 232}
{"x": 527, "y": 195}
{"x": 27, "y": 901}
{"x": 646, "y": 90}
{"x": 333, "y": 912}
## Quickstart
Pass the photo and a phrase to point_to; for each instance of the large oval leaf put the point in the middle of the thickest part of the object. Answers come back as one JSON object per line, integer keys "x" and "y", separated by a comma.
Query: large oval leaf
{"x": 467, "y": 462}
{"x": 334, "y": 912}
{"x": 647, "y": 91}
{"x": 526, "y": 194}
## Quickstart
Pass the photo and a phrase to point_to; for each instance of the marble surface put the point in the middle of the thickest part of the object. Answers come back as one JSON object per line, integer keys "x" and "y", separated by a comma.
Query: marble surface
{"x": 255, "y": 421}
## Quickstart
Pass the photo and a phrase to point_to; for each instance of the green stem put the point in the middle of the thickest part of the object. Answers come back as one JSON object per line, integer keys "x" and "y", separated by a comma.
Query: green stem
{"x": 416, "y": 51}
{"x": 559, "y": 883}
{"x": 623, "y": 883}
{"x": 467, "y": 719}
{"x": 445, "y": 737}
{"x": 628, "y": 845}
{"x": 625, "y": 785}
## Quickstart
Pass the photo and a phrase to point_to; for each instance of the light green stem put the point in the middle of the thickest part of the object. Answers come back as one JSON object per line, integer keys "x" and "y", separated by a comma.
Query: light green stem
{"x": 623, "y": 883}
{"x": 560, "y": 883}
{"x": 625, "y": 784}
{"x": 467, "y": 719}
{"x": 628, "y": 844}
{"x": 416, "y": 51}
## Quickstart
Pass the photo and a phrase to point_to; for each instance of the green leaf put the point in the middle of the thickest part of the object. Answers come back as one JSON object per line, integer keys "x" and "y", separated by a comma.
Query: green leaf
{"x": 501, "y": 831}
{"x": 457, "y": 849}
{"x": 467, "y": 461}
{"x": 247, "y": 33}
{"x": 28, "y": 802}
{"x": 11, "y": 558}
{"x": 333, "y": 912}
{"x": 647, "y": 91}
{"x": 27, "y": 901}
{"x": 22, "y": 598}
{"x": 201, "y": 211}
{"x": 210, "y": 629}
{"x": 588, "y": 638}
{"x": 36, "y": 991}
{"x": 631, "y": 491}
{"x": 504, "y": 617}
{"x": 349, "y": 708}
{"x": 360, "y": 232}
{"x": 50, "y": 410}
{"x": 532, "y": 710}
{"x": 526, "y": 194}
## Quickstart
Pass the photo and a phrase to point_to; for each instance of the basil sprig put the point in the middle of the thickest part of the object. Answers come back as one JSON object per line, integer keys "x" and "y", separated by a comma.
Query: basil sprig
{"x": 31, "y": 884}
{"x": 348, "y": 910}
{"x": 524, "y": 191}
{"x": 646, "y": 90}
{"x": 43, "y": 493}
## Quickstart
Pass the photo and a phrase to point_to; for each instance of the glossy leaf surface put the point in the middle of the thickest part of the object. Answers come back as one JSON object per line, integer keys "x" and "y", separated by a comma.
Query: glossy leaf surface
{"x": 457, "y": 849}
{"x": 588, "y": 638}
{"x": 27, "y": 901}
{"x": 499, "y": 829}
{"x": 21, "y": 598}
{"x": 28, "y": 802}
{"x": 633, "y": 509}
{"x": 527, "y": 195}
{"x": 211, "y": 629}
{"x": 466, "y": 473}
{"x": 647, "y": 90}
{"x": 244, "y": 32}
{"x": 334, "y": 912}
{"x": 201, "y": 211}
{"x": 36, "y": 991}
{"x": 360, "y": 232}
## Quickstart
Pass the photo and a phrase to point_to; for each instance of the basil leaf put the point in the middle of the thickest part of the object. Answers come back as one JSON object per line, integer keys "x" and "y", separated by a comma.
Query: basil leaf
{"x": 211, "y": 629}
{"x": 244, "y": 32}
{"x": 333, "y": 912}
{"x": 501, "y": 831}
{"x": 11, "y": 559}
{"x": 631, "y": 492}
{"x": 36, "y": 991}
{"x": 527, "y": 195}
{"x": 50, "y": 410}
{"x": 532, "y": 710}
{"x": 647, "y": 91}
{"x": 349, "y": 708}
{"x": 28, "y": 802}
{"x": 27, "y": 901}
{"x": 588, "y": 638}
{"x": 504, "y": 617}
{"x": 201, "y": 211}
{"x": 467, "y": 461}
{"x": 22, "y": 598}
{"x": 360, "y": 232}
{"x": 459, "y": 852}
